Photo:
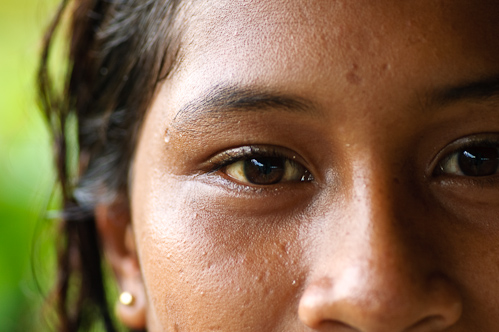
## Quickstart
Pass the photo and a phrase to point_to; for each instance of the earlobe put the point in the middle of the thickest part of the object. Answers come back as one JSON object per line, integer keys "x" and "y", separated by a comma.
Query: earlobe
{"x": 116, "y": 234}
{"x": 131, "y": 305}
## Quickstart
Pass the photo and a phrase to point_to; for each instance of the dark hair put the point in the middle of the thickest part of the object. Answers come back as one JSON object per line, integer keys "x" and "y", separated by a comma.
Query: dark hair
{"x": 118, "y": 52}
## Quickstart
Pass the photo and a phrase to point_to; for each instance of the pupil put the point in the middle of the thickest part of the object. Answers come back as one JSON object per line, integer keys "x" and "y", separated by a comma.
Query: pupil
{"x": 264, "y": 170}
{"x": 479, "y": 161}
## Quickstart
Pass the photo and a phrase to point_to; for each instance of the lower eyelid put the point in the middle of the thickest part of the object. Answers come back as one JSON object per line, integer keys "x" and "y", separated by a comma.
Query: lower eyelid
{"x": 458, "y": 181}
{"x": 450, "y": 153}
{"x": 229, "y": 164}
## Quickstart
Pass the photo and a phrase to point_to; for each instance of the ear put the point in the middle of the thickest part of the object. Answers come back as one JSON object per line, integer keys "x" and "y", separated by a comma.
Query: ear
{"x": 116, "y": 234}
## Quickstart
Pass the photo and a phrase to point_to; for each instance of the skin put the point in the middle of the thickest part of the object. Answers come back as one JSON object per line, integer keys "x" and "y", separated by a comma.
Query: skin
{"x": 379, "y": 240}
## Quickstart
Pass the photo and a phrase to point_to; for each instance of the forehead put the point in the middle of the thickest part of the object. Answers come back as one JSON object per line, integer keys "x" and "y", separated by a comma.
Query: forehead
{"x": 321, "y": 44}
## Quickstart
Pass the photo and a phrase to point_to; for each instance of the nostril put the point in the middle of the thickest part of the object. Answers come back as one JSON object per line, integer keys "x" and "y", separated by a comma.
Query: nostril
{"x": 371, "y": 307}
{"x": 338, "y": 326}
{"x": 447, "y": 317}
{"x": 431, "y": 323}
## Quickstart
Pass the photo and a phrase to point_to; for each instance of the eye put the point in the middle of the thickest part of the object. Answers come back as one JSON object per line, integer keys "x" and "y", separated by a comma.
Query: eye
{"x": 261, "y": 165}
{"x": 475, "y": 160}
{"x": 267, "y": 171}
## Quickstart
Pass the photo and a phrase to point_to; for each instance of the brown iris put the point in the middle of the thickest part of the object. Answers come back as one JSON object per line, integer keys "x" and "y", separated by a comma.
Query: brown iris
{"x": 266, "y": 170}
{"x": 479, "y": 161}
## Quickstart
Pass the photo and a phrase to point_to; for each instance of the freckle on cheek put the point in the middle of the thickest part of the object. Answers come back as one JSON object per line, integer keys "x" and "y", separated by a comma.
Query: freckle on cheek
{"x": 353, "y": 76}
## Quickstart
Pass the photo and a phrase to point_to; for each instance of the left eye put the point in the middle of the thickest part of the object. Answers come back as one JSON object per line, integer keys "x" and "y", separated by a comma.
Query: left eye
{"x": 267, "y": 171}
{"x": 475, "y": 161}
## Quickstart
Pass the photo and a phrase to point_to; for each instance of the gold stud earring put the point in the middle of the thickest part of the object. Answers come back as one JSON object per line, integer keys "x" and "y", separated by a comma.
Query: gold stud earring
{"x": 126, "y": 298}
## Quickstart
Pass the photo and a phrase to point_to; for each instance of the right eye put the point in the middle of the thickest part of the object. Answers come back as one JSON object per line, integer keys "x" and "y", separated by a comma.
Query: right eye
{"x": 474, "y": 161}
{"x": 261, "y": 170}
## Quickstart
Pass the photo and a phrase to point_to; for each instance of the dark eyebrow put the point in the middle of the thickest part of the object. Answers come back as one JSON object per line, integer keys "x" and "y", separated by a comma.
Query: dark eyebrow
{"x": 231, "y": 98}
{"x": 225, "y": 98}
{"x": 483, "y": 90}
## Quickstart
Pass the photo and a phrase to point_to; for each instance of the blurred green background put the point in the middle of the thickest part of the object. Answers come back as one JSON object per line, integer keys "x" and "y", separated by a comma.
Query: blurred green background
{"x": 26, "y": 175}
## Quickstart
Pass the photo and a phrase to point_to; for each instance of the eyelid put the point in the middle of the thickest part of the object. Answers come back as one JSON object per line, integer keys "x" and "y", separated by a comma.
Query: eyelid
{"x": 230, "y": 156}
{"x": 216, "y": 165}
{"x": 482, "y": 139}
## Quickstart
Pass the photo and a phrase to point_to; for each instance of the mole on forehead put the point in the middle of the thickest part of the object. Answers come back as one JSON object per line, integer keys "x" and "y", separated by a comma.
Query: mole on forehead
{"x": 284, "y": 41}
{"x": 239, "y": 34}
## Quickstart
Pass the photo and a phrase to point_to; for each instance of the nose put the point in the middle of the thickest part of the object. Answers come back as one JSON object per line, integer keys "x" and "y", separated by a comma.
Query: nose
{"x": 357, "y": 302}
{"x": 376, "y": 280}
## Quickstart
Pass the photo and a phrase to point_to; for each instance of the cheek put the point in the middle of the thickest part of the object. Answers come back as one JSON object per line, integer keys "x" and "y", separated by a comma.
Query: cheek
{"x": 208, "y": 268}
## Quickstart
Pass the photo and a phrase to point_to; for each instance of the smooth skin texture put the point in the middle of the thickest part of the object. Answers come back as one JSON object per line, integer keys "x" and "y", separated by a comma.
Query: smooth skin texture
{"x": 376, "y": 100}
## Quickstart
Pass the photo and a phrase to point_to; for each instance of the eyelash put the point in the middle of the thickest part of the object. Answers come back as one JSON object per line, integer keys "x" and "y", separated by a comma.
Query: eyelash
{"x": 231, "y": 158}
{"x": 450, "y": 164}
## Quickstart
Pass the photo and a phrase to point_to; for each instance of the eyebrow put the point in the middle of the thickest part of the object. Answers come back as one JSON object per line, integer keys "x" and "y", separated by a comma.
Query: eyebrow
{"x": 482, "y": 90}
{"x": 225, "y": 98}
{"x": 233, "y": 98}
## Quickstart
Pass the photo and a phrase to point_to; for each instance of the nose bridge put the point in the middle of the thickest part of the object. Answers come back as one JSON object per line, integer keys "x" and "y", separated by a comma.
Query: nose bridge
{"x": 377, "y": 278}
{"x": 382, "y": 249}
{"x": 374, "y": 208}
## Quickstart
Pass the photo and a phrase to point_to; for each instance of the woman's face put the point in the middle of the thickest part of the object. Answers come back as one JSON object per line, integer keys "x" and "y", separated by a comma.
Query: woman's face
{"x": 324, "y": 165}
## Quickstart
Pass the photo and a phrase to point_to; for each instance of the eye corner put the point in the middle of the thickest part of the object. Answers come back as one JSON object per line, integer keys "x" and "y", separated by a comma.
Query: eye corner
{"x": 474, "y": 156}
{"x": 260, "y": 166}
